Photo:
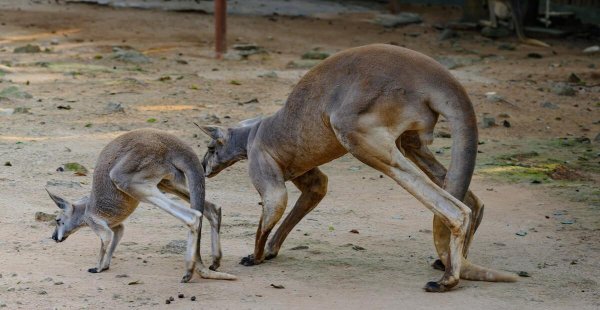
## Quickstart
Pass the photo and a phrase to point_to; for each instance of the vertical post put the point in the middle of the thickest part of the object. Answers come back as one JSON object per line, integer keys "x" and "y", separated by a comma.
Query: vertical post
{"x": 220, "y": 28}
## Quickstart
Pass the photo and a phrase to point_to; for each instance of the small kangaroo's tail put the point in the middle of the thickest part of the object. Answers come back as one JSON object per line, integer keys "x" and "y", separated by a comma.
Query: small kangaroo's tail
{"x": 470, "y": 271}
{"x": 206, "y": 273}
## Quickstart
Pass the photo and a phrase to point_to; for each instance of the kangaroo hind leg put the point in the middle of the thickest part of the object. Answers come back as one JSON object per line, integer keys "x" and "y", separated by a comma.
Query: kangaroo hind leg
{"x": 376, "y": 147}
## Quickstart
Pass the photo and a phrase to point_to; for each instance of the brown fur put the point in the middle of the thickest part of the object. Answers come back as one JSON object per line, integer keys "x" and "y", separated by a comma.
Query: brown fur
{"x": 364, "y": 101}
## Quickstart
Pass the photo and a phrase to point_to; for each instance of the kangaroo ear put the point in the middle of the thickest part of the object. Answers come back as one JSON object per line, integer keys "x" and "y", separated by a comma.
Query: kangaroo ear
{"x": 59, "y": 201}
{"x": 215, "y": 132}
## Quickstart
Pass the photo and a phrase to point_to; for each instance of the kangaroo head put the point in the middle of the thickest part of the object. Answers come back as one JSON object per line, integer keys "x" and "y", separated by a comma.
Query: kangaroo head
{"x": 227, "y": 147}
{"x": 70, "y": 218}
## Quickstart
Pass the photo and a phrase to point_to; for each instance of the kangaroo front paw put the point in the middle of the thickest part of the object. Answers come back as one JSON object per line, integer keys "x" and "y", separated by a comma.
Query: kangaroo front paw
{"x": 96, "y": 270}
{"x": 248, "y": 261}
{"x": 187, "y": 277}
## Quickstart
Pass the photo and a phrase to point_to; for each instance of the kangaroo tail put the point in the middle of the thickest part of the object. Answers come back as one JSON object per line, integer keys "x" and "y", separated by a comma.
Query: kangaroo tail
{"x": 206, "y": 273}
{"x": 461, "y": 116}
{"x": 194, "y": 173}
{"x": 470, "y": 271}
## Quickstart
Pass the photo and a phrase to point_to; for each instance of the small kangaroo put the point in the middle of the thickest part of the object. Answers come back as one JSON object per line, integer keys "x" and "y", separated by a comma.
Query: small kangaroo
{"x": 139, "y": 166}
{"x": 380, "y": 103}
{"x": 505, "y": 9}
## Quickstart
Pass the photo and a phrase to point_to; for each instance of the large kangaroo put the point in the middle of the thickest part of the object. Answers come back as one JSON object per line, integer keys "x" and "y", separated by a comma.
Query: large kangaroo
{"x": 139, "y": 166}
{"x": 380, "y": 103}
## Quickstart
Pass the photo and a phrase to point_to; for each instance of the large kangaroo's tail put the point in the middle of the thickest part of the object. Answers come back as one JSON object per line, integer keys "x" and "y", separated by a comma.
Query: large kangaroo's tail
{"x": 458, "y": 110}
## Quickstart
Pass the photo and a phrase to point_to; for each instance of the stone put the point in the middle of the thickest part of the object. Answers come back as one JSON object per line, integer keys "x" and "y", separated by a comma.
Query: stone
{"x": 548, "y": 105}
{"x": 302, "y": 64}
{"x": 563, "y": 89}
{"x": 492, "y": 96}
{"x": 29, "y": 48}
{"x": 129, "y": 55}
{"x": 395, "y": 20}
{"x": 574, "y": 78}
{"x": 269, "y": 75}
{"x": 115, "y": 107}
{"x": 7, "y": 111}
{"x": 314, "y": 54}
{"x": 488, "y": 122}
{"x": 592, "y": 49}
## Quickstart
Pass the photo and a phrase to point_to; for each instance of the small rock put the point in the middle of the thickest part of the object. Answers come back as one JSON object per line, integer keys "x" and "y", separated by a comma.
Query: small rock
{"x": 29, "y": 48}
{"x": 358, "y": 248}
{"x": 354, "y": 231}
{"x": 562, "y": 89}
{"x": 302, "y": 64}
{"x": 534, "y": 55}
{"x": 42, "y": 293}
{"x": 59, "y": 283}
{"x": 314, "y": 54}
{"x": 64, "y": 107}
{"x": 573, "y": 78}
{"x": 212, "y": 118}
{"x": 171, "y": 298}
{"x": 180, "y": 296}
{"x": 129, "y": 55}
{"x": 193, "y": 298}
{"x": 492, "y": 96}
{"x": 7, "y": 164}
{"x": 167, "y": 301}
{"x": 488, "y": 122}
{"x": 549, "y": 105}
{"x": 122, "y": 276}
{"x": 44, "y": 217}
{"x": 567, "y": 222}
{"x": 592, "y": 49}
{"x": 277, "y": 286}
{"x": 495, "y": 33}
{"x": 115, "y": 107}
{"x": 395, "y": 20}
{"x": 3, "y": 304}
{"x": 524, "y": 274}
{"x": 300, "y": 247}
{"x": 506, "y": 123}
{"x": 244, "y": 50}
{"x": 521, "y": 233}
{"x": 269, "y": 75}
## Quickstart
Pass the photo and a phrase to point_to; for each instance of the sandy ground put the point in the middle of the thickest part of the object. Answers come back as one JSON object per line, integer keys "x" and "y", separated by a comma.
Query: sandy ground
{"x": 79, "y": 71}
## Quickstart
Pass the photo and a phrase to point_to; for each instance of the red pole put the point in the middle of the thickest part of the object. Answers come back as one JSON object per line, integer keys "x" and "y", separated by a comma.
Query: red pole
{"x": 220, "y": 28}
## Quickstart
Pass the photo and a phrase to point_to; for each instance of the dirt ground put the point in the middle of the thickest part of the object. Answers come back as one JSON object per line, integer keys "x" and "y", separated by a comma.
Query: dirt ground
{"x": 536, "y": 221}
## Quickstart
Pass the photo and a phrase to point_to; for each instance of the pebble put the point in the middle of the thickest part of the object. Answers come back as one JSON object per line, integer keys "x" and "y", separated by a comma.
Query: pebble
{"x": 562, "y": 89}
{"x": 492, "y": 96}
{"x": 592, "y": 49}
{"x": 29, "y": 48}
{"x": 193, "y": 298}
{"x": 488, "y": 122}
{"x": 506, "y": 123}
{"x": 549, "y": 105}
{"x": 181, "y": 296}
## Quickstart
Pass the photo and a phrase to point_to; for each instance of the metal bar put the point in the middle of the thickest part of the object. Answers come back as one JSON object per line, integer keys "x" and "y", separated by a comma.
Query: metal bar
{"x": 220, "y": 28}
